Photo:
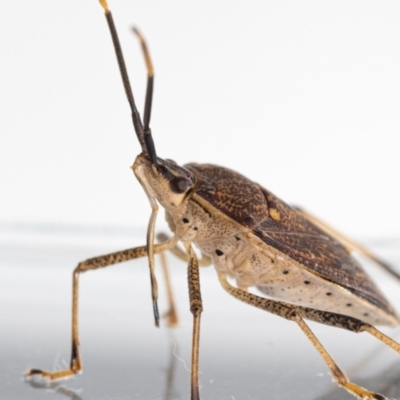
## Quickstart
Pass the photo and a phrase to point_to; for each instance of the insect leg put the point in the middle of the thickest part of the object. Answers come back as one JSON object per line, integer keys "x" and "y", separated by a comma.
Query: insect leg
{"x": 297, "y": 313}
{"x": 196, "y": 308}
{"x": 350, "y": 244}
{"x": 382, "y": 337}
{"x": 205, "y": 260}
{"x": 91, "y": 264}
{"x": 339, "y": 376}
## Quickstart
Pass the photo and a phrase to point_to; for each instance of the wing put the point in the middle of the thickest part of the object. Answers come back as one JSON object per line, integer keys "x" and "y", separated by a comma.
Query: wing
{"x": 284, "y": 229}
{"x": 299, "y": 239}
{"x": 231, "y": 193}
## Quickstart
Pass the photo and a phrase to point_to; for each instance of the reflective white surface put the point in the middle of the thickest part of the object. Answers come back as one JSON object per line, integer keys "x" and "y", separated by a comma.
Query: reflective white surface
{"x": 245, "y": 353}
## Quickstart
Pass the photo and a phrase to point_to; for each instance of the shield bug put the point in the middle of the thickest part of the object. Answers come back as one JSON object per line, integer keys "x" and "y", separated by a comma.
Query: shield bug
{"x": 303, "y": 268}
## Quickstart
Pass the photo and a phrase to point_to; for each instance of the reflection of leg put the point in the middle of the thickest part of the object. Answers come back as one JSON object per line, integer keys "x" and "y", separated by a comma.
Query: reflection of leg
{"x": 55, "y": 387}
{"x": 297, "y": 313}
{"x": 350, "y": 244}
{"x": 196, "y": 308}
{"x": 171, "y": 370}
{"x": 91, "y": 264}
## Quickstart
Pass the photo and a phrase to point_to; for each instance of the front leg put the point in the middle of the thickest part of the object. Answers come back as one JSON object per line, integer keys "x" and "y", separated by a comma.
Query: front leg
{"x": 91, "y": 264}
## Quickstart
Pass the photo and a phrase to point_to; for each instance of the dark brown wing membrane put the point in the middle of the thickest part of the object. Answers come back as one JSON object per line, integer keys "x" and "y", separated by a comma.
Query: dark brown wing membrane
{"x": 231, "y": 193}
{"x": 293, "y": 235}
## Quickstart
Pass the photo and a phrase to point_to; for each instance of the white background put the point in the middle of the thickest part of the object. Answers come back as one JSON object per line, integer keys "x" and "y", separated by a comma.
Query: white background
{"x": 302, "y": 97}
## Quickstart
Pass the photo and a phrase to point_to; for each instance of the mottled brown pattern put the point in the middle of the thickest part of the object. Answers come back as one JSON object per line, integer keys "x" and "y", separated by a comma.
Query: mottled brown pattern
{"x": 196, "y": 303}
{"x": 231, "y": 193}
{"x": 308, "y": 245}
{"x": 288, "y": 311}
{"x": 121, "y": 256}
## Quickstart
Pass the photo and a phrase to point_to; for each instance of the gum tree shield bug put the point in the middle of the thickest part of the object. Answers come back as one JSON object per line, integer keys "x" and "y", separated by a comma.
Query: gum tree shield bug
{"x": 249, "y": 235}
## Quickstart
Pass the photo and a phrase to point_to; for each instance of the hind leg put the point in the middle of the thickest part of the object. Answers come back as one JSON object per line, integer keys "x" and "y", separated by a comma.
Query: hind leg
{"x": 297, "y": 313}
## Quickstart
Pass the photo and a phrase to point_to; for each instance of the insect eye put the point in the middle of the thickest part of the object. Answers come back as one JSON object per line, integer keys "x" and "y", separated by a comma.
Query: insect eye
{"x": 180, "y": 184}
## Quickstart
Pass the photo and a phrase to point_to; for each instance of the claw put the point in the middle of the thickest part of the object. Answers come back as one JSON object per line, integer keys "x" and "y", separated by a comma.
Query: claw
{"x": 51, "y": 376}
{"x": 377, "y": 396}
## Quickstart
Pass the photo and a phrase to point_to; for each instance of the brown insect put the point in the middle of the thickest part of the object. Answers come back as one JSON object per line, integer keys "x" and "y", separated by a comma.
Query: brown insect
{"x": 303, "y": 267}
